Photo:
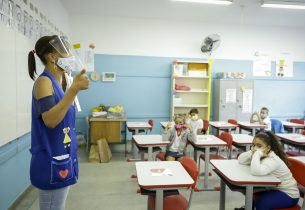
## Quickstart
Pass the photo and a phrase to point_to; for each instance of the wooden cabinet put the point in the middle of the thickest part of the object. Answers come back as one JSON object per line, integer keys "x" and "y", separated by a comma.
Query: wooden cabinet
{"x": 191, "y": 88}
{"x": 111, "y": 129}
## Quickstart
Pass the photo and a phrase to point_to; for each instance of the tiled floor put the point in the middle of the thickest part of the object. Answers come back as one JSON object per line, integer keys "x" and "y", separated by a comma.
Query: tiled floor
{"x": 108, "y": 186}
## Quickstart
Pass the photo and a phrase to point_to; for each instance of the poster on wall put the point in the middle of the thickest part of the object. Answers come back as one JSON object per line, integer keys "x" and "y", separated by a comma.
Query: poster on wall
{"x": 284, "y": 65}
{"x": 230, "y": 96}
{"x": 247, "y": 101}
{"x": 261, "y": 64}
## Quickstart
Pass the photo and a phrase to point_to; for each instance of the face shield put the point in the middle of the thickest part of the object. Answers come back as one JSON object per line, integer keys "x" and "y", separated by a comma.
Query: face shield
{"x": 68, "y": 60}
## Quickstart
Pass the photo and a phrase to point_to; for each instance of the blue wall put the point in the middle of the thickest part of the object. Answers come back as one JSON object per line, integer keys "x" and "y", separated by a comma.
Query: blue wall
{"x": 14, "y": 170}
{"x": 143, "y": 88}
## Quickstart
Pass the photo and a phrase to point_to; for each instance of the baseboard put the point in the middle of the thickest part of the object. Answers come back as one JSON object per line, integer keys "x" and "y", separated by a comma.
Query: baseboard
{"x": 20, "y": 198}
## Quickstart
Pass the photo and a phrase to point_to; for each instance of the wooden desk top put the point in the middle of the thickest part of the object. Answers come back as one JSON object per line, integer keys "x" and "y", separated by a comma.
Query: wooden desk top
{"x": 242, "y": 138}
{"x": 178, "y": 177}
{"x": 239, "y": 174}
{"x": 149, "y": 140}
{"x": 208, "y": 140}
{"x": 222, "y": 124}
{"x": 97, "y": 119}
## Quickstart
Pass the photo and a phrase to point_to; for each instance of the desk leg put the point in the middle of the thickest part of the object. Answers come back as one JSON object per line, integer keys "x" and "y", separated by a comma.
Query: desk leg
{"x": 293, "y": 129}
{"x": 206, "y": 167}
{"x": 248, "y": 199}
{"x": 253, "y": 131}
{"x": 134, "y": 148}
{"x": 159, "y": 199}
{"x": 248, "y": 147}
{"x": 150, "y": 158}
{"x": 222, "y": 204}
{"x": 195, "y": 155}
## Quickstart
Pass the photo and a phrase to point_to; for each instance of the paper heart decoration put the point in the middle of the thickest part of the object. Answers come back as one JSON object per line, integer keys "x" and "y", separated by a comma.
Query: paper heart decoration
{"x": 63, "y": 173}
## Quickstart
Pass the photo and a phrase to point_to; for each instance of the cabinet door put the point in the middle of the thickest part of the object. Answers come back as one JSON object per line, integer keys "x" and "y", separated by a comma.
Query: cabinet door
{"x": 244, "y": 100}
{"x": 227, "y": 100}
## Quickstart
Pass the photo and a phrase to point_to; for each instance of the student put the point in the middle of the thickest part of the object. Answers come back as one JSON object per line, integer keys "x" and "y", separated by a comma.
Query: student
{"x": 178, "y": 136}
{"x": 262, "y": 118}
{"x": 267, "y": 157}
{"x": 54, "y": 164}
{"x": 194, "y": 121}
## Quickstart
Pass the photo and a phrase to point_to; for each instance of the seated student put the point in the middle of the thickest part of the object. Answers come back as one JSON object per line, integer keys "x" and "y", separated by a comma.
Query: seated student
{"x": 178, "y": 136}
{"x": 194, "y": 121}
{"x": 267, "y": 157}
{"x": 262, "y": 118}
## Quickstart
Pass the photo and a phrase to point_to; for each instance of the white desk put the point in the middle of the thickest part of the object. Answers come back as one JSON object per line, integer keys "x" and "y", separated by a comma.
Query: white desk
{"x": 179, "y": 178}
{"x": 136, "y": 126}
{"x": 149, "y": 141}
{"x": 293, "y": 139}
{"x": 206, "y": 142}
{"x": 293, "y": 126}
{"x": 164, "y": 124}
{"x": 242, "y": 140}
{"x": 222, "y": 125}
{"x": 250, "y": 126}
{"x": 237, "y": 174}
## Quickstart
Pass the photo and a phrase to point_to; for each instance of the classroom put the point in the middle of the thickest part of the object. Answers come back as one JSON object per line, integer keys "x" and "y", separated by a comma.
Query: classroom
{"x": 152, "y": 104}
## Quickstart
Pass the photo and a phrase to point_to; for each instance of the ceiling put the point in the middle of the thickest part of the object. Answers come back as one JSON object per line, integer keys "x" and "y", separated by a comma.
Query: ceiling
{"x": 240, "y": 12}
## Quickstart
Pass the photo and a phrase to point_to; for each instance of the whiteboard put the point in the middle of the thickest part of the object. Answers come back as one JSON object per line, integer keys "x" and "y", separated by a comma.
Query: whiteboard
{"x": 15, "y": 85}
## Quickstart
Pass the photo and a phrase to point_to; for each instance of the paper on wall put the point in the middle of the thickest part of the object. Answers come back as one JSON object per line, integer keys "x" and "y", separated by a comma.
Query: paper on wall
{"x": 261, "y": 65}
{"x": 284, "y": 65}
{"x": 230, "y": 96}
{"x": 247, "y": 101}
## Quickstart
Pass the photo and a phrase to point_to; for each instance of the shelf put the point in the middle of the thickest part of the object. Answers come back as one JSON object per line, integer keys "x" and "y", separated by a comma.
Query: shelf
{"x": 191, "y": 77}
{"x": 180, "y": 61}
{"x": 191, "y": 105}
{"x": 191, "y": 91}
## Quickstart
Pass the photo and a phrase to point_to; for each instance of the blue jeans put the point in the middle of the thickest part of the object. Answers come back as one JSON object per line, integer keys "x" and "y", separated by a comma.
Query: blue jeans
{"x": 53, "y": 199}
{"x": 176, "y": 155}
{"x": 274, "y": 199}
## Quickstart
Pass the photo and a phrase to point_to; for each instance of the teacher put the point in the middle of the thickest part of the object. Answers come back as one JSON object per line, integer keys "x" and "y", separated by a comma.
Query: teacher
{"x": 54, "y": 163}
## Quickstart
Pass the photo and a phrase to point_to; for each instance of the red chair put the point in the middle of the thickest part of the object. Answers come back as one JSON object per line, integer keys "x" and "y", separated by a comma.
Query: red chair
{"x": 298, "y": 121}
{"x": 226, "y": 137}
{"x": 297, "y": 169}
{"x": 178, "y": 202}
{"x": 205, "y": 127}
{"x": 234, "y": 122}
{"x": 160, "y": 156}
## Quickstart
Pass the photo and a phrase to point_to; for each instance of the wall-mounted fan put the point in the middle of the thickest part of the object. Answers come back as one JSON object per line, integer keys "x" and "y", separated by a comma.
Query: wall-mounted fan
{"x": 210, "y": 44}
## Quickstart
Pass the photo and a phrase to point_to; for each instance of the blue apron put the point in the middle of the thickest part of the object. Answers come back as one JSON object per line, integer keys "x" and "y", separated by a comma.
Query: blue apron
{"x": 54, "y": 161}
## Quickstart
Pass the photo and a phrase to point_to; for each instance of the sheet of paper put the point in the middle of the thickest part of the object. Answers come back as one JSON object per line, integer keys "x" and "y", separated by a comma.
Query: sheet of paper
{"x": 230, "y": 96}
{"x": 261, "y": 65}
{"x": 247, "y": 101}
{"x": 284, "y": 65}
{"x": 161, "y": 172}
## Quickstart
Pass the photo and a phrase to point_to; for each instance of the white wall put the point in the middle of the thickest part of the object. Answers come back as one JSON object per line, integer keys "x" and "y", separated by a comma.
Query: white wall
{"x": 154, "y": 37}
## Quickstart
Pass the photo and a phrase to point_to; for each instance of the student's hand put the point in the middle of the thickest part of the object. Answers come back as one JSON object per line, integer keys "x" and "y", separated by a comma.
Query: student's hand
{"x": 81, "y": 81}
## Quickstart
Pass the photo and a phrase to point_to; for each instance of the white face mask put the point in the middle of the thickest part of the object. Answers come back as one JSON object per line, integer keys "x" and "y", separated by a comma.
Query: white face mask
{"x": 258, "y": 149}
{"x": 67, "y": 64}
{"x": 194, "y": 118}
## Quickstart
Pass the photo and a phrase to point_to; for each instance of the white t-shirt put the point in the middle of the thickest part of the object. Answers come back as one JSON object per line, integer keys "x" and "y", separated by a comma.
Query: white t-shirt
{"x": 272, "y": 165}
{"x": 267, "y": 121}
{"x": 196, "y": 125}
{"x": 174, "y": 147}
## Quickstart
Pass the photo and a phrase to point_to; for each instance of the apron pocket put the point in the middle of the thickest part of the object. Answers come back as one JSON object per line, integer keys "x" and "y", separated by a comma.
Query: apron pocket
{"x": 61, "y": 170}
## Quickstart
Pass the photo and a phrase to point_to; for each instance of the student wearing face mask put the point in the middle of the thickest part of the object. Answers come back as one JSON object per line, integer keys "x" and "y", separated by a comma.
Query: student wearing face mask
{"x": 54, "y": 163}
{"x": 178, "y": 136}
{"x": 194, "y": 121}
{"x": 267, "y": 157}
{"x": 262, "y": 118}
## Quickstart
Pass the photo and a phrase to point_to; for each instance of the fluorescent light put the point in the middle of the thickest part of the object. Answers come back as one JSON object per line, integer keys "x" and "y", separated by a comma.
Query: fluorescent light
{"x": 284, "y": 4}
{"x": 223, "y": 2}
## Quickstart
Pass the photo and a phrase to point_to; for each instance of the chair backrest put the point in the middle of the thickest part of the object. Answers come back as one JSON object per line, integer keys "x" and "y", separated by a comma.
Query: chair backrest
{"x": 191, "y": 167}
{"x": 297, "y": 169}
{"x": 205, "y": 126}
{"x": 227, "y": 137}
{"x": 277, "y": 126}
{"x": 298, "y": 121}
{"x": 151, "y": 123}
{"x": 232, "y": 121}
{"x": 303, "y": 132}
